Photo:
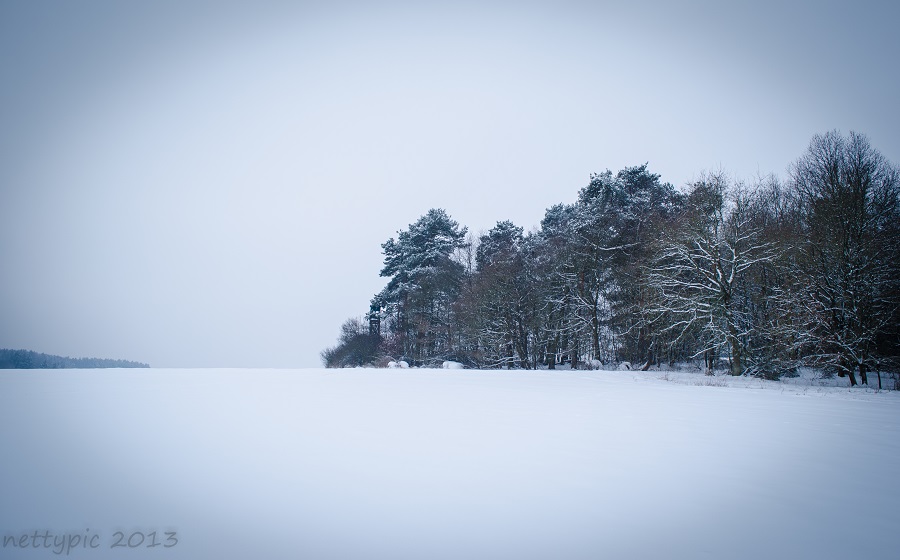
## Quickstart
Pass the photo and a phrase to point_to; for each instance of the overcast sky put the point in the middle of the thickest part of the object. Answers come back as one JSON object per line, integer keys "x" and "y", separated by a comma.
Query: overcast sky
{"x": 209, "y": 183}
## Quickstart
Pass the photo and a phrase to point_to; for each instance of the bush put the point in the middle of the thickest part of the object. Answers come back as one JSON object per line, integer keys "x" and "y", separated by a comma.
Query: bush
{"x": 360, "y": 350}
{"x": 356, "y": 347}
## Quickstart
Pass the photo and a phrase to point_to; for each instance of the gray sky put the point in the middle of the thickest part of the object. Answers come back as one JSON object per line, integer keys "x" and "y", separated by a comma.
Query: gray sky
{"x": 209, "y": 183}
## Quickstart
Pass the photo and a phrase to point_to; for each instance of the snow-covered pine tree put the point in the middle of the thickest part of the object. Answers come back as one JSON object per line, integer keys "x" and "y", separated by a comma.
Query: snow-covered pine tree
{"x": 504, "y": 298}
{"x": 424, "y": 282}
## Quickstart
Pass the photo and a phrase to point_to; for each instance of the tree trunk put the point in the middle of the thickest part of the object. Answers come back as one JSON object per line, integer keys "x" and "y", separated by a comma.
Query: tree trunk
{"x": 573, "y": 354}
{"x": 863, "y": 373}
{"x": 522, "y": 346}
{"x": 595, "y": 333}
{"x": 737, "y": 365}
{"x": 642, "y": 349}
{"x": 553, "y": 352}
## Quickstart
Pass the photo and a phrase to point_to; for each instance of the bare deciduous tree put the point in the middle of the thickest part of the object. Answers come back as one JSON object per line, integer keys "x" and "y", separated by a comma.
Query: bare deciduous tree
{"x": 847, "y": 271}
{"x": 699, "y": 276}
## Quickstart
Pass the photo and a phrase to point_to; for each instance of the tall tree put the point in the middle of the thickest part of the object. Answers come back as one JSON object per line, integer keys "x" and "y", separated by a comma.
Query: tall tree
{"x": 424, "y": 282}
{"x": 848, "y": 269}
{"x": 773, "y": 338}
{"x": 619, "y": 217}
{"x": 558, "y": 260}
{"x": 505, "y": 291}
{"x": 701, "y": 273}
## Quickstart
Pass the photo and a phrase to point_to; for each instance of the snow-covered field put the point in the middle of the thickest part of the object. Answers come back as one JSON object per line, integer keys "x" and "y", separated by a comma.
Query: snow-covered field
{"x": 441, "y": 464}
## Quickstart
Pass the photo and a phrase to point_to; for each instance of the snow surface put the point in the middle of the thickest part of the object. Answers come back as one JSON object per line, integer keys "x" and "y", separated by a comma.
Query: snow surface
{"x": 441, "y": 464}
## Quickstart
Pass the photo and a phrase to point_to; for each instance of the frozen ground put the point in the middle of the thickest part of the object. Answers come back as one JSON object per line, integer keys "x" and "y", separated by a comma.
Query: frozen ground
{"x": 441, "y": 464}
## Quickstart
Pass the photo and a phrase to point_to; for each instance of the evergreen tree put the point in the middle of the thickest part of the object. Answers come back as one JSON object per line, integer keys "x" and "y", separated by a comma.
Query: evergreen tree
{"x": 424, "y": 282}
{"x": 504, "y": 297}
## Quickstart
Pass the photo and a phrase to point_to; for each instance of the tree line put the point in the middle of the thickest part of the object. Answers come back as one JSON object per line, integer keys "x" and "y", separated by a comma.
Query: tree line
{"x": 758, "y": 278}
{"x": 27, "y": 359}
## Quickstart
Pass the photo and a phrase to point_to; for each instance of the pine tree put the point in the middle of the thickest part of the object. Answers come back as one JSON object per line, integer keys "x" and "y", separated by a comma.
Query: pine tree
{"x": 424, "y": 283}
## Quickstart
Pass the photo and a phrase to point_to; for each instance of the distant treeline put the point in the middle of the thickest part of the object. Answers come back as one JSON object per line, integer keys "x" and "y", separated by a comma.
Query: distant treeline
{"x": 26, "y": 359}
